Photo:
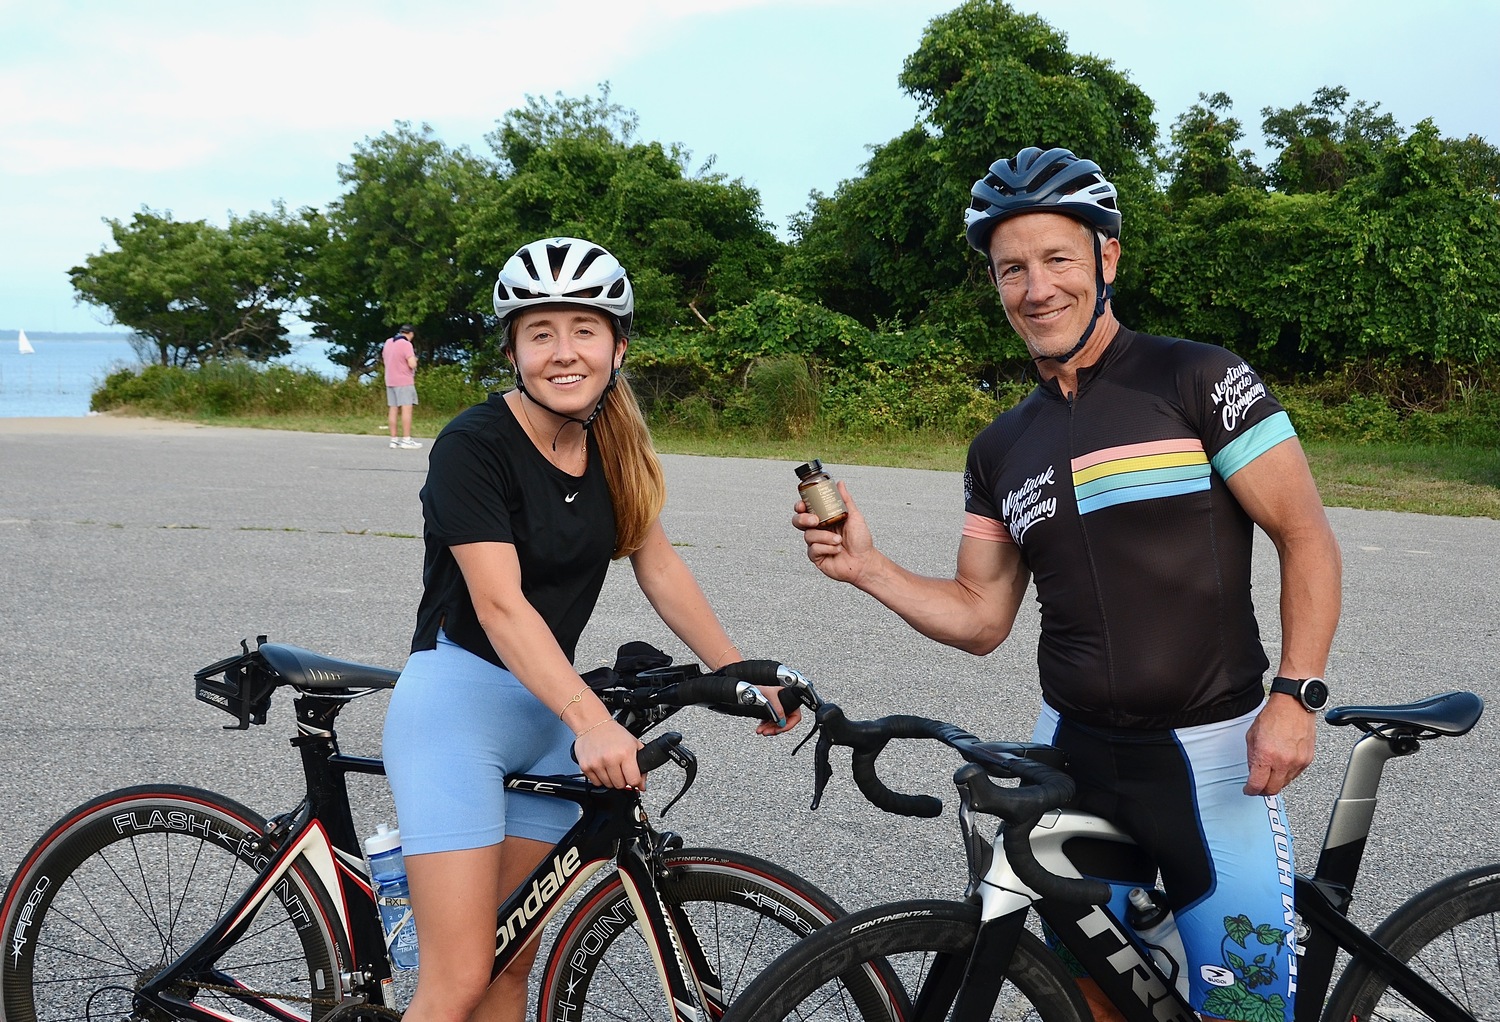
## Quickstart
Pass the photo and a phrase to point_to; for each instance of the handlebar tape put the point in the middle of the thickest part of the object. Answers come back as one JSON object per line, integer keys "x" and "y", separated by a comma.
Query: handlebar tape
{"x": 756, "y": 672}
{"x": 882, "y": 797}
{"x": 657, "y": 752}
{"x": 868, "y": 739}
{"x": 709, "y": 690}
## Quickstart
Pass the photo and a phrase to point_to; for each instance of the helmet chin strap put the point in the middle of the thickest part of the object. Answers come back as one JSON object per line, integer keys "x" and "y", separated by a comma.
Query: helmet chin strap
{"x": 587, "y": 423}
{"x": 1102, "y": 292}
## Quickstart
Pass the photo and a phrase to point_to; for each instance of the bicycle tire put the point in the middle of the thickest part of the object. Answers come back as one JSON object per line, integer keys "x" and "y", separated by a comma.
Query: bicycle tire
{"x": 1450, "y": 935}
{"x": 912, "y": 941}
{"x": 132, "y": 879}
{"x": 743, "y": 911}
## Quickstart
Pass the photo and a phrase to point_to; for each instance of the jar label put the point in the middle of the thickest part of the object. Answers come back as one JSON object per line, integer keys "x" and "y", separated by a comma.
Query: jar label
{"x": 824, "y": 501}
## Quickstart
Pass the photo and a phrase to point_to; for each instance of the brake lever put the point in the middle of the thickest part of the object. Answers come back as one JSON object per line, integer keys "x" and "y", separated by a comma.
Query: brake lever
{"x": 685, "y": 759}
{"x": 822, "y": 768}
{"x": 808, "y": 737}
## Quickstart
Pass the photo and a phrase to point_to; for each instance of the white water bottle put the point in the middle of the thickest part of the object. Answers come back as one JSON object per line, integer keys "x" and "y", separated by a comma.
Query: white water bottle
{"x": 388, "y": 877}
{"x": 1152, "y": 920}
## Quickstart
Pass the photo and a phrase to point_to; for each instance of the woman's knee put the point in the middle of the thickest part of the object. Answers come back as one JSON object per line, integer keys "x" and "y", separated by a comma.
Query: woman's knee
{"x": 448, "y": 991}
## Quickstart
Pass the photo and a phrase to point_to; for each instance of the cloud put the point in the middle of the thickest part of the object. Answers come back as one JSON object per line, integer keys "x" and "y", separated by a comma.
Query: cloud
{"x": 167, "y": 85}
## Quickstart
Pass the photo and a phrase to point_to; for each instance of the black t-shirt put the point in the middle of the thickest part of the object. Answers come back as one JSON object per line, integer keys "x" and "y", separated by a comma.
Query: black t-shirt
{"x": 1140, "y": 553}
{"x": 487, "y": 483}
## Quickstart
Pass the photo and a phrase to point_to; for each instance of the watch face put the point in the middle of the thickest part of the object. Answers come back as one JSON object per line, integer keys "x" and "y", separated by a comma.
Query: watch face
{"x": 1314, "y": 693}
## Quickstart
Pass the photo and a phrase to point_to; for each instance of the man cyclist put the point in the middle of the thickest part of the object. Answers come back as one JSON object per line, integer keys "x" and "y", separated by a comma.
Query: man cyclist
{"x": 1127, "y": 485}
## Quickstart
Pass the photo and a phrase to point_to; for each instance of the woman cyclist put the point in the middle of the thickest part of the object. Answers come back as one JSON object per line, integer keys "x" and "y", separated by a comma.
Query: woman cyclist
{"x": 528, "y": 498}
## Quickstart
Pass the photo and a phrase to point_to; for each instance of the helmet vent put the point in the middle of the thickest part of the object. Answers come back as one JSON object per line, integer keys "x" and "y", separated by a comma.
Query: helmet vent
{"x": 530, "y": 266}
{"x": 617, "y": 289}
{"x": 586, "y": 262}
{"x": 556, "y": 254}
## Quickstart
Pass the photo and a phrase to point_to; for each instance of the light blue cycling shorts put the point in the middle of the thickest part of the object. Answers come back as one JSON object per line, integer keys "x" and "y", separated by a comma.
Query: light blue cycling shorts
{"x": 1225, "y": 857}
{"x": 456, "y": 726}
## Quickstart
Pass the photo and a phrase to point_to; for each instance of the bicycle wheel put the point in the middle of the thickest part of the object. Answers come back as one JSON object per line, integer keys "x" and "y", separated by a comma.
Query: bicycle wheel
{"x": 736, "y": 913}
{"x": 126, "y": 883}
{"x": 923, "y": 947}
{"x": 1450, "y": 936}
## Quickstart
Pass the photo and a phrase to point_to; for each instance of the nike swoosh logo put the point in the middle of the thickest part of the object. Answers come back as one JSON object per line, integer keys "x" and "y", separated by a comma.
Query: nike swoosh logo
{"x": 569, "y": 498}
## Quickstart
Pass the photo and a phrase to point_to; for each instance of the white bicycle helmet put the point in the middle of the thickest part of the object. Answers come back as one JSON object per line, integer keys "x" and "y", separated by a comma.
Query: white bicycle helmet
{"x": 567, "y": 271}
{"x": 1054, "y": 181}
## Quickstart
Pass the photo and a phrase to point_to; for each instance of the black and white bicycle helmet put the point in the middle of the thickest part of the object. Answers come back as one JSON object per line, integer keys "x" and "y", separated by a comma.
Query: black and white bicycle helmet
{"x": 1037, "y": 181}
{"x": 568, "y": 271}
{"x": 1050, "y": 181}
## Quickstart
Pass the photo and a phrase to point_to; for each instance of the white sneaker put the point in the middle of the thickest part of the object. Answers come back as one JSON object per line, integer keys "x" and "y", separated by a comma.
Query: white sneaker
{"x": 409, "y": 443}
{"x": 395, "y": 443}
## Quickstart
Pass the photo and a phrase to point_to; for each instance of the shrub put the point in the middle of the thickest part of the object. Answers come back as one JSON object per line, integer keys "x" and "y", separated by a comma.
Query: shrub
{"x": 779, "y": 396}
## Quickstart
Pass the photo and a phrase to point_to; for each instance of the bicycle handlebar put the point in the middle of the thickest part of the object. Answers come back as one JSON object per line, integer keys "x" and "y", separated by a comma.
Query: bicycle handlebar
{"x": 731, "y": 690}
{"x": 658, "y": 752}
{"x": 1044, "y": 786}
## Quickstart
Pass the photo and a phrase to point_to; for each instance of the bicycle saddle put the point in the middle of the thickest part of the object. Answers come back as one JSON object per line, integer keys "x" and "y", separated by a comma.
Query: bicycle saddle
{"x": 1452, "y": 713}
{"x": 304, "y": 669}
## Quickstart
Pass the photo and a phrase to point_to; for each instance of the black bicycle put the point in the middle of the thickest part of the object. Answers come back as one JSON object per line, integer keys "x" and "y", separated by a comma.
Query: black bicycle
{"x": 1436, "y": 957}
{"x": 170, "y": 902}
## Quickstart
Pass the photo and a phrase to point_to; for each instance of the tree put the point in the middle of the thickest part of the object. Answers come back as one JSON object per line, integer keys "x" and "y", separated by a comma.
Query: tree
{"x": 694, "y": 242}
{"x": 888, "y": 246}
{"x": 192, "y": 291}
{"x": 1396, "y": 268}
{"x": 390, "y": 249}
{"x": 1323, "y": 144}
{"x": 1477, "y": 162}
{"x": 1203, "y": 157}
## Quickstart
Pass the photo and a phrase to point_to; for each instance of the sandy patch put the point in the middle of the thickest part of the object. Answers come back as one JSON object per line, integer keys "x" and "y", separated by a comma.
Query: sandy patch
{"x": 96, "y": 425}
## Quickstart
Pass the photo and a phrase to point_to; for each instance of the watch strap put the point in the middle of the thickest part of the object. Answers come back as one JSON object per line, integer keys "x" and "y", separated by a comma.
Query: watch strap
{"x": 1298, "y": 688}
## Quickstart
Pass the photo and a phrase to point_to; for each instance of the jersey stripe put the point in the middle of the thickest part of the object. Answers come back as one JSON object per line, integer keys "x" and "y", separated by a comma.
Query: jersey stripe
{"x": 1187, "y": 443}
{"x": 1254, "y": 442}
{"x": 1144, "y": 477}
{"x": 980, "y": 527}
{"x": 1128, "y": 465}
{"x": 1151, "y": 491}
{"x": 1119, "y": 475}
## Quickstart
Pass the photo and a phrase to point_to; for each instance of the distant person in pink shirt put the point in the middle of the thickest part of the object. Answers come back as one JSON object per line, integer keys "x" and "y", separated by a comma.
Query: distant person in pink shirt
{"x": 401, "y": 383}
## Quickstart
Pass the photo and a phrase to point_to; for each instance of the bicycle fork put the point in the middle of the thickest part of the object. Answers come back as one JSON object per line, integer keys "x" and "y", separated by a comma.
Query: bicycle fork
{"x": 674, "y": 950}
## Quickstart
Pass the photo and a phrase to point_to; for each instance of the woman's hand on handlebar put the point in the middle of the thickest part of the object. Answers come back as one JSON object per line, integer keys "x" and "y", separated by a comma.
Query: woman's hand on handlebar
{"x": 606, "y": 755}
{"x": 788, "y": 720}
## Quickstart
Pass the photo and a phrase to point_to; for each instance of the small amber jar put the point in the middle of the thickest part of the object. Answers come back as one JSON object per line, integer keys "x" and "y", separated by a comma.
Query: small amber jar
{"x": 820, "y": 494}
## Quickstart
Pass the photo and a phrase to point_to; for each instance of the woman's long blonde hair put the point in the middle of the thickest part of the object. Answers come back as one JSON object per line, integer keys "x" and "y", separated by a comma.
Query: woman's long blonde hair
{"x": 631, "y": 467}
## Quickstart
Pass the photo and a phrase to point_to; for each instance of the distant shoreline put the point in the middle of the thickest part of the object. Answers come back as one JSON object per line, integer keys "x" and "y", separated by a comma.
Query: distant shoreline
{"x": 101, "y": 335}
{"x": 61, "y": 335}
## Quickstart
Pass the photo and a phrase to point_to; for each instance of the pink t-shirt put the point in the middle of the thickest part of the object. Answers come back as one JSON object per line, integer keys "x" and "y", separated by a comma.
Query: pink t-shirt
{"x": 398, "y": 372}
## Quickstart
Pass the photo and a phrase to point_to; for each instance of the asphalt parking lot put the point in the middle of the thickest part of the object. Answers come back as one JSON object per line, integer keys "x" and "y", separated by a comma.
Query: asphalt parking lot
{"x": 135, "y": 552}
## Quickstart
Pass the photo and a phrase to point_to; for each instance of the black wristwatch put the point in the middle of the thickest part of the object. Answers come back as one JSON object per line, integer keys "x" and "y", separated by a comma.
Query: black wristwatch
{"x": 1312, "y": 693}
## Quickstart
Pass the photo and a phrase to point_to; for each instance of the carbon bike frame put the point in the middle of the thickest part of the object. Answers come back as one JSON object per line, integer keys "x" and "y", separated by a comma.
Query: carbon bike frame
{"x": 1128, "y": 976}
{"x": 613, "y": 827}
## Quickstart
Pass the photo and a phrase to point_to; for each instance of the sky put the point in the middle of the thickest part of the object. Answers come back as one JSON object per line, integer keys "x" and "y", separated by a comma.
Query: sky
{"x": 204, "y": 108}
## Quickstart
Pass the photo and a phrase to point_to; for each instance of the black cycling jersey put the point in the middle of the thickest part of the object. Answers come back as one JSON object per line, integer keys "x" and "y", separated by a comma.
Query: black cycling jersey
{"x": 1140, "y": 553}
{"x": 487, "y": 483}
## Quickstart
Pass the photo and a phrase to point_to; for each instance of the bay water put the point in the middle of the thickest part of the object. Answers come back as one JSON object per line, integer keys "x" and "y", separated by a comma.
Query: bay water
{"x": 60, "y": 377}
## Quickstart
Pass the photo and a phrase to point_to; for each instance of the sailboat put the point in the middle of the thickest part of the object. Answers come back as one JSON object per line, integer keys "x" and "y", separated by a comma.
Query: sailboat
{"x": 25, "y": 345}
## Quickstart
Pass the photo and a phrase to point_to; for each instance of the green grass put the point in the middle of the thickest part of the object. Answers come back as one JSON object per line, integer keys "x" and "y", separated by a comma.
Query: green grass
{"x": 1430, "y": 479}
{"x": 1434, "y": 480}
